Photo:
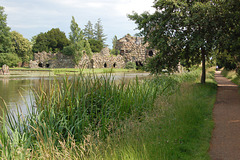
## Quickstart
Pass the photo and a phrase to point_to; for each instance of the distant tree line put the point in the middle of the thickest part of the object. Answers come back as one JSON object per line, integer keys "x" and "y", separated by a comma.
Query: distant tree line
{"x": 16, "y": 50}
{"x": 88, "y": 40}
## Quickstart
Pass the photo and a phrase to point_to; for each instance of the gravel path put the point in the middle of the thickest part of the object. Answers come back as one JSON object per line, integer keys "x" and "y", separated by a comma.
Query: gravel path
{"x": 225, "y": 142}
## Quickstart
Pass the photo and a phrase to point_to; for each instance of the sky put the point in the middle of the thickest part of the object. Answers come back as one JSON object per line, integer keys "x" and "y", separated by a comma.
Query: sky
{"x": 31, "y": 17}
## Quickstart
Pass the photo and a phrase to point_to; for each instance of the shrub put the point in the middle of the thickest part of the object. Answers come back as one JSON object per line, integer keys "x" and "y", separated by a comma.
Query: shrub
{"x": 9, "y": 59}
{"x": 130, "y": 65}
{"x": 69, "y": 50}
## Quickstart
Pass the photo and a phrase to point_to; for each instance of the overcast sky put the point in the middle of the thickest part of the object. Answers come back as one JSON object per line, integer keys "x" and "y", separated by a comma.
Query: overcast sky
{"x": 30, "y": 17}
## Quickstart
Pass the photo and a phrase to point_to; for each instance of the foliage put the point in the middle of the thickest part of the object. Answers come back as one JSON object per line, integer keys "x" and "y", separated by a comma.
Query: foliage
{"x": 53, "y": 40}
{"x": 88, "y": 31}
{"x": 180, "y": 31}
{"x": 130, "y": 65}
{"x": 114, "y": 42}
{"x": 226, "y": 60}
{"x": 9, "y": 59}
{"x": 76, "y": 34}
{"x": 40, "y": 44}
{"x": 78, "y": 43}
{"x": 232, "y": 75}
{"x": 98, "y": 32}
{"x": 229, "y": 34}
{"x": 95, "y": 45}
{"x": 5, "y": 36}
{"x": 21, "y": 46}
{"x": 69, "y": 50}
{"x": 88, "y": 48}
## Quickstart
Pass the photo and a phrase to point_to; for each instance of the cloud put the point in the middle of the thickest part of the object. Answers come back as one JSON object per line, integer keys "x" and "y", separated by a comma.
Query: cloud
{"x": 32, "y": 17}
{"x": 127, "y": 6}
{"x": 81, "y": 4}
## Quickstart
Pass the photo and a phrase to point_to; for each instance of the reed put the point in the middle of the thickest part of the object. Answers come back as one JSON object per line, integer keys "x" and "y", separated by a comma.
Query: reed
{"x": 66, "y": 112}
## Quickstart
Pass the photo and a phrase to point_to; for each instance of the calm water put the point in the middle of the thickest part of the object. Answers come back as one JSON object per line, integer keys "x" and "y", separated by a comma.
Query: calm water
{"x": 16, "y": 92}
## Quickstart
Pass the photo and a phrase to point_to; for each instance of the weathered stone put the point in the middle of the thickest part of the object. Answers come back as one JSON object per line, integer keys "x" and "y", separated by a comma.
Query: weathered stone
{"x": 33, "y": 64}
{"x": 131, "y": 50}
{"x": 49, "y": 60}
{"x": 4, "y": 70}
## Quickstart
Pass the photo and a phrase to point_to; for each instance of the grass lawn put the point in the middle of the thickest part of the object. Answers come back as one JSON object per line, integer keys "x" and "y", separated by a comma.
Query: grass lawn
{"x": 63, "y": 71}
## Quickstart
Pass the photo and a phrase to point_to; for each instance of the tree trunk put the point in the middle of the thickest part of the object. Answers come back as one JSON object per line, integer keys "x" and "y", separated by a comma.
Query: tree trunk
{"x": 203, "y": 78}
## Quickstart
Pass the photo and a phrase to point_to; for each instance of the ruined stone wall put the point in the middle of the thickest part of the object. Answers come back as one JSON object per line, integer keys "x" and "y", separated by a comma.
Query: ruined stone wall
{"x": 49, "y": 60}
{"x": 105, "y": 60}
{"x": 131, "y": 50}
{"x": 4, "y": 70}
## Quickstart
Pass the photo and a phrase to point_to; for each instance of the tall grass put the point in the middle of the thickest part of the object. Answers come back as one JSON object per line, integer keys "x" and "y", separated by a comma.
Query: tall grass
{"x": 179, "y": 127}
{"x": 232, "y": 75}
{"x": 73, "y": 115}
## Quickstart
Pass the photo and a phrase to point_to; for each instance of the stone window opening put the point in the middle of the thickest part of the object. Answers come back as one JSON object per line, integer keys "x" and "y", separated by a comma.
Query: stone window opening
{"x": 40, "y": 64}
{"x": 138, "y": 64}
{"x": 47, "y": 65}
{"x": 122, "y": 52}
{"x": 91, "y": 63}
{"x": 105, "y": 65}
{"x": 150, "y": 53}
{"x": 114, "y": 65}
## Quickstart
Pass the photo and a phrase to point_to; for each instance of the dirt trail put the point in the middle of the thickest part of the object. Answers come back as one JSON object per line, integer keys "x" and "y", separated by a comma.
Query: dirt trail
{"x": 225, "y": 142}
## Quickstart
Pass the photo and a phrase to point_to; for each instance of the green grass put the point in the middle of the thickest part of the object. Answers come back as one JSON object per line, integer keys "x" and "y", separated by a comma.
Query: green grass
{"x": 179, "y": 127}
{"x": 91, "y": 117}
{"x": 71, "y": 71}
{"x": 232, "y": 76}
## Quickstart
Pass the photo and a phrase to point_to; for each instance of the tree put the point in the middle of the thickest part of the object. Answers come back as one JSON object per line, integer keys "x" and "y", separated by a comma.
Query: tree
{"x": 229, "y": 34}
{"x": 180, "y": 31}
{"x": 21, "y": 46}
{"x": 78, "y": 43}
{"x": 88, "y": 31}
{"x": 114, "y": 43}
{"x": 10, "y": 59}
{"x": 53, "y": 40}
{"x": 76, "y": 33}
{"x": 98, "y": 32}
{"x": 5, "y": 36}
{"x": 41, "y": 43}
{"x": 88, "y": 48}
{"x": 95, "y": 45}
{"x": 56, "y": 39}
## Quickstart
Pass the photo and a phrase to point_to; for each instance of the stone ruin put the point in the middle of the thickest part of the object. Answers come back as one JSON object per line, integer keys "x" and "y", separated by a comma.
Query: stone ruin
{"x": 49, "y": 60}
{"x": 131, "y": 50}
{"x": 4, "y": 70}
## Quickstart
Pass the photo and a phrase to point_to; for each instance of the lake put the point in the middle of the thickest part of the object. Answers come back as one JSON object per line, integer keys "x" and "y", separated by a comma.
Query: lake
{"x": 17, "y": 91}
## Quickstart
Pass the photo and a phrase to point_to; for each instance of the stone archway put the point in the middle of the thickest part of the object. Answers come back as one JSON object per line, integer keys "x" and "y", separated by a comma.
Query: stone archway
{"x": 105, "y": 65}
{"x": 150, "y": 53}
{"x": 91, "y": 63}
{"x": 114, "y": 65}
{"x": 40, "y": 65}
{"x": 138, "y": 64}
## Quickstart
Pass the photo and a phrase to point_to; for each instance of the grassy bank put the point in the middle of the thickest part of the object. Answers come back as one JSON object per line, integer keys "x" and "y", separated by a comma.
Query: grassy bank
{"x": 71, "y": 71}
{"x": 98, "y": 118}
{"x": 232, "y": 75}
{"x": 179, "y": 127}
